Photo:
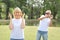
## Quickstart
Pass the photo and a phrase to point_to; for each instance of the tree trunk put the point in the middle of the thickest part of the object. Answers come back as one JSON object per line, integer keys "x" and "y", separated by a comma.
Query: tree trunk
{"x": 54, "y": 15}
{"x": 0, "y": 13}
{"x": 7, "y": 10}
{"x": 32, "y": 12}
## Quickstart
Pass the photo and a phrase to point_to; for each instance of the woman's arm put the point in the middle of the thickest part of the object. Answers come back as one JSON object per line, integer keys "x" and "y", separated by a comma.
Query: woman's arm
{"x": 10, "y": 25}
{"x": 23, "y": 24}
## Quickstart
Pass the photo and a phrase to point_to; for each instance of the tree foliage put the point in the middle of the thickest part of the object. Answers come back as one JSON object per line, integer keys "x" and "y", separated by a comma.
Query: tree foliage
{"x": 33, "y": 8}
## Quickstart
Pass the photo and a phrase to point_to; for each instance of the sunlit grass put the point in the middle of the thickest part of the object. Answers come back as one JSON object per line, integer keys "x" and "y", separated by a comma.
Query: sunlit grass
{"x": 30, "y": 33}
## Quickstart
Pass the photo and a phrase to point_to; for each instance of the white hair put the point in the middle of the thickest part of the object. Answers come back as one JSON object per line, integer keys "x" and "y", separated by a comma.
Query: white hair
{"x": 17, "y": 8}
{"x": 48, "y": 11}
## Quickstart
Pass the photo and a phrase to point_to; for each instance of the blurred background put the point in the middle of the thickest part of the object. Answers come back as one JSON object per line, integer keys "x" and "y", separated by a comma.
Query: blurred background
{"x": 32, "y": 9}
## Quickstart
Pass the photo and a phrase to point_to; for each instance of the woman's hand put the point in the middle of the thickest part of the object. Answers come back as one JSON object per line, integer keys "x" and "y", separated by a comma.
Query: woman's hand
{"x": 10, "y": 16}
{"x": 23, "y": 22}
{"x": 23, "y": 16}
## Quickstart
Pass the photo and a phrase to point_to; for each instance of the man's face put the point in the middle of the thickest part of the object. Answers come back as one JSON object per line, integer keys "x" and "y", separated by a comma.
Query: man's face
{"x": 47, "y": 14}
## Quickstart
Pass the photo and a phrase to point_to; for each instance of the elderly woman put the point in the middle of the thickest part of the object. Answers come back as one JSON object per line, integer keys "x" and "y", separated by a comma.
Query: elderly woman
{"x": 17, "y": 25}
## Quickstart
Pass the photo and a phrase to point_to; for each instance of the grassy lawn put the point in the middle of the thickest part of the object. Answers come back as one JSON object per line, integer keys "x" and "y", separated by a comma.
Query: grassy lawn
{"x": 30, "y": 33}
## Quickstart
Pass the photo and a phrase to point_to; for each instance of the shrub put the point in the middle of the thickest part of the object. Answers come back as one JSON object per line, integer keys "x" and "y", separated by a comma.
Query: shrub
{"x": 31, "y": 22}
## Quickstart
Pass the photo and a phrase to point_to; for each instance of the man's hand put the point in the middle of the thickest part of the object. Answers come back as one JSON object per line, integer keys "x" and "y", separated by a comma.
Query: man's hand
{"x": 51, "y": 17}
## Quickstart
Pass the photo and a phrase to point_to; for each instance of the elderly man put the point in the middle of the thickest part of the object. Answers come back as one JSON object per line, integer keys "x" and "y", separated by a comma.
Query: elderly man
{"x": 45, "y": 21}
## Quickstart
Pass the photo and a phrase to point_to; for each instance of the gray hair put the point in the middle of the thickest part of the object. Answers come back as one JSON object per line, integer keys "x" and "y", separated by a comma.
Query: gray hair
{"x": 48, "y": 11}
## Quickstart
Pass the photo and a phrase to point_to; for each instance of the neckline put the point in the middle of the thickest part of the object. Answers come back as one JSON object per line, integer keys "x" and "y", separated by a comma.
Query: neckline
{"x": 17, "y": 19}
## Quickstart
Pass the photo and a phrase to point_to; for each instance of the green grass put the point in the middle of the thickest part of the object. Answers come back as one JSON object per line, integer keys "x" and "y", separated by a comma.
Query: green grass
{"x": 30, "y": 33}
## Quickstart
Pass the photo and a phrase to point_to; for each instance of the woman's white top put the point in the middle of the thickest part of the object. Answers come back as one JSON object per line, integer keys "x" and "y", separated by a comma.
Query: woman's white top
{"x": 17, "y": 32}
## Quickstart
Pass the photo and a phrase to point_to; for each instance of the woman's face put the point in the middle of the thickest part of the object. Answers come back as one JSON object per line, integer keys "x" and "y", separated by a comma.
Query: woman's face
{"x": 17, "y": 14}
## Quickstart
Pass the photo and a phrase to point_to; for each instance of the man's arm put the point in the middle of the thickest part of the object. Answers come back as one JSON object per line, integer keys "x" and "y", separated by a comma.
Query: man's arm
{"x": 51, "y": 17}
{"x": 41, "y": 18}
{"x": 50, "y": 24}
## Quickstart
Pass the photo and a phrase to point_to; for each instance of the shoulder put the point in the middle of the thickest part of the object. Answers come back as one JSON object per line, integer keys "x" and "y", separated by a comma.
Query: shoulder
{"x": 13, "y": 19}
{"x": 22, "y": 18}
{"x": 42, "y": 16}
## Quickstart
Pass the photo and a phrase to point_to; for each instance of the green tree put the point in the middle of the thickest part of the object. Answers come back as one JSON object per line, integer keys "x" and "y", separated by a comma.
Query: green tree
{"x": 13, "y": 3}
{"x": 52, "y": 5}
{"x": 0, "y": 12}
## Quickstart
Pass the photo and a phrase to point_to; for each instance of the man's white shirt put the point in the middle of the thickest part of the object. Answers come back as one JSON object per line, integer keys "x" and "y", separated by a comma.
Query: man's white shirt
{"x": 44, "y": 24}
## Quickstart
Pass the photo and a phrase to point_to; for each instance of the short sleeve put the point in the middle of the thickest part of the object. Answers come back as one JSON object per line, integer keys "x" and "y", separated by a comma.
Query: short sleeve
{"x": 42, "y": 16}
{"x": 12, "y": 21}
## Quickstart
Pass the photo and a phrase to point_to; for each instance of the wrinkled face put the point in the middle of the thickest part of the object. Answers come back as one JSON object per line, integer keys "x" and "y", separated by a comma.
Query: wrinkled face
{"x": 17, "y": 14}
{"x": 47, "y": 14}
